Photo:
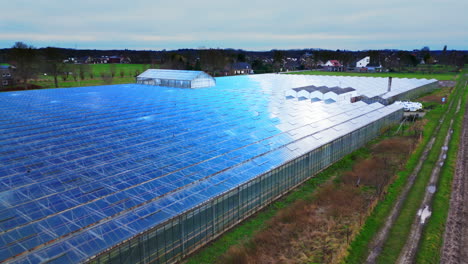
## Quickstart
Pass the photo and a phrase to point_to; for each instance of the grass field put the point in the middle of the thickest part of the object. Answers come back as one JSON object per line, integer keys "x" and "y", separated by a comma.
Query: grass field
{"x": 359, "y": 247}
{"x": 127, "y": 68}
{"x": 402, "y": 226}
{"x": 432, "y": 237}
{"x": 124, "y": 73}
{"x": 438, "y": 76}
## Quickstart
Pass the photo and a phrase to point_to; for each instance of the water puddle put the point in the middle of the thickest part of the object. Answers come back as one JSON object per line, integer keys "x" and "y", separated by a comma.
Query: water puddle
{"x": 424, "y": 214}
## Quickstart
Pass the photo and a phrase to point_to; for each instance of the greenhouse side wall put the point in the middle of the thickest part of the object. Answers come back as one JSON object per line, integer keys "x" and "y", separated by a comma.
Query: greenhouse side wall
{"x": 414, "y": 93}
{"x": 189, "y": 231}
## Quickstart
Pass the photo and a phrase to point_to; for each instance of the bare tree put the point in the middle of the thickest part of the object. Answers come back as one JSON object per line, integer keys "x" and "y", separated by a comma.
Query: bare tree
{"x": 83, "y": 70}
{"x": 278, "y": 60}
{"x": 213, "y": 60}
{"x": 113, "y": 70}
{"x": 106, "y": 78}
{"x": 54, "y": 64}
{"x": 24, "y": 57}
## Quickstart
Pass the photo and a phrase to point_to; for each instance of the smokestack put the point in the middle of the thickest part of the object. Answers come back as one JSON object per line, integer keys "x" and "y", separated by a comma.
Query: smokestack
{"x": 389, "y": 84}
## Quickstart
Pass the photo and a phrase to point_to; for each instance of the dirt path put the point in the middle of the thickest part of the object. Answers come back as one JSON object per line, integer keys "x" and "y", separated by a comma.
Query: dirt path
{"x": 409, "y": 250}
{"x": 379, "y": 239}
{"x": 455, "y": 248}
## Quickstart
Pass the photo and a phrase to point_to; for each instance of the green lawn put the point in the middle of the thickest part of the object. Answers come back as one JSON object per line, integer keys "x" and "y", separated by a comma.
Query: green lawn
{"x": 438, "y": 76}
{"x": 358, "y": 250}
{"x": 92, "y": 76}
{"x": 129, "y": 71}
{"x": 402, "y": 227}
{"x": 359, "y": 247}
{"x": 432, "y": 237}
{"x": 127, "y": 68}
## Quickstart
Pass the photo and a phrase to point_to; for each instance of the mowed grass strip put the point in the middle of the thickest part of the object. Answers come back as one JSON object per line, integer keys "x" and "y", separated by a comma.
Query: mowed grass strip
{"x": 124, "y": 73}
{"x": 127, "y": 68}
{"x": 438, "y": 76}
{"x": 433, "y": 234}
{"x": 402, "y": 226}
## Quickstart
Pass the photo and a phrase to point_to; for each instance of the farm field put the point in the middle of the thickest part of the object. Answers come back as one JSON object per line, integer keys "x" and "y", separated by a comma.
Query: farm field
{"x": 439, "y": 76}
{"x": 99, "y": 74}
{"x": 93, "y": 74}
{"x": 431, "y": 241}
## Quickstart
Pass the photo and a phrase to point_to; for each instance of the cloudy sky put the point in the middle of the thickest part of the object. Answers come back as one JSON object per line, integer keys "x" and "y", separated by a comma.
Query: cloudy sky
{"x": 252, "y": 25}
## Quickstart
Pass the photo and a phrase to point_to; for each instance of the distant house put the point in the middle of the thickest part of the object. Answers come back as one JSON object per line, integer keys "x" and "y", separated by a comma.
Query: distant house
{"x": 363, "y": 62}
{"x": 118, "y": 59}
{"x": 374, "y": 67}
{"x": 71, "y": 60}
{"x": 125, "y": 59}
{"x": 333, "y": 65}
{"x": 319, "y": 63}
{"x": 102, "y": 59}
{"x": 241, "y": 68}
{"x": 292, "y": 65}
{"x": 114, "y": 59}
{"x": 6, "y": 75}
{"x": 85, "y": 60}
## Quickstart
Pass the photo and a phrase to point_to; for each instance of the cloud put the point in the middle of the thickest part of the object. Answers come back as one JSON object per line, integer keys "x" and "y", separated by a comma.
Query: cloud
{"x": 359, "y": 24}
{"x": 46, "y": 37}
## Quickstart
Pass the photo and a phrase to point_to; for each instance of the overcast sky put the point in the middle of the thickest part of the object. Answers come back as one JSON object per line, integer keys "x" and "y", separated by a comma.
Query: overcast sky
{"x": 251, "y": 25}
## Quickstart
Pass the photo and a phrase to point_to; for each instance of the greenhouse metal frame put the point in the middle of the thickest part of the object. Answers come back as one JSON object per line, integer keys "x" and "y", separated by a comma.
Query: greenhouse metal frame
{"x": 108, "y": 173}
{"x": 189, "y": 231}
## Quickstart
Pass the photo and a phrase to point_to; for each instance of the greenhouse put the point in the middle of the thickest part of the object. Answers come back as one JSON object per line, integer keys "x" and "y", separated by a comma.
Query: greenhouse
{"x": 133, "y": 174}
{"x": 333, "y": 94}
{"x": 176, "y": 78}
{"x": 374, "y": 89}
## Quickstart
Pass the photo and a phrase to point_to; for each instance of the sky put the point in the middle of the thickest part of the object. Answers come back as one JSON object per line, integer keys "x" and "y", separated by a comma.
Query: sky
{"x": 250, "y": 25}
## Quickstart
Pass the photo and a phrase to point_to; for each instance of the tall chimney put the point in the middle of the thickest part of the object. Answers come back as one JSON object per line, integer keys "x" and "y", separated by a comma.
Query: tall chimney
{"x": 389, "y": 84}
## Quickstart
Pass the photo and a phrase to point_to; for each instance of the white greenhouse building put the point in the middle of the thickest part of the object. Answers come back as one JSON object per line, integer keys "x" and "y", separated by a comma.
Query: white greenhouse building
{"x": 133, "y": 173}
{"x": 176, "y": 78}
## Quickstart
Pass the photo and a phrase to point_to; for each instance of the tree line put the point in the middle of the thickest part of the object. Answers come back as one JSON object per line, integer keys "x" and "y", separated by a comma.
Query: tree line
{"x": 29, "y": 61}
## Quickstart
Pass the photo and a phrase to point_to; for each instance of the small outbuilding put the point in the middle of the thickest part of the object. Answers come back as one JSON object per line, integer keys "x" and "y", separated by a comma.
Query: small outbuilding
{"x": 176, "y": 78}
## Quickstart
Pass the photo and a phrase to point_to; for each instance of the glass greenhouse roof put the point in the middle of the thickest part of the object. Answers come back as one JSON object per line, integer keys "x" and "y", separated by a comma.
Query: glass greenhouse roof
{"x": 366, "y": 86}
{"x": 83, "y": 169}
{"x": 172, "y": 74}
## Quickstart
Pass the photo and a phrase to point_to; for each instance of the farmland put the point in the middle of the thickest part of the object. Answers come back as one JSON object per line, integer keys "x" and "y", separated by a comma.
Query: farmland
{"x": 93, "y": 74}
{"x": 439, "y": 76}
